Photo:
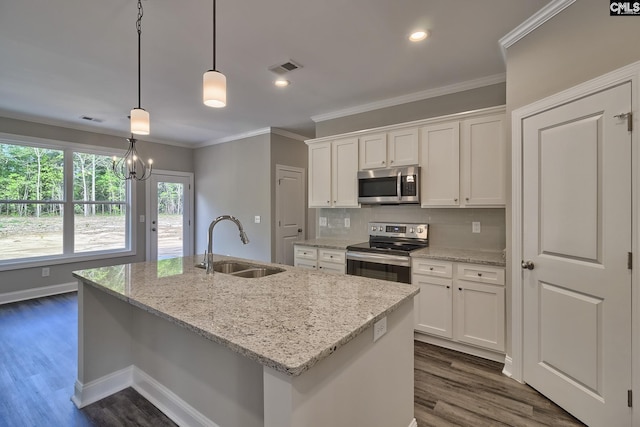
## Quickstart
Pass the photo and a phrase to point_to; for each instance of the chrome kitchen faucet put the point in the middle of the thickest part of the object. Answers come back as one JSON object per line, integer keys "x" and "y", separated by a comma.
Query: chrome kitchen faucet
{"x": 209, "y": 253}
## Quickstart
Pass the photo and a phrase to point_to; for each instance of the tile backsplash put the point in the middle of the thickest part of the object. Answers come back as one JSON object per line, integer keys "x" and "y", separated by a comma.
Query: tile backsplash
{"x": 447, "y": 227}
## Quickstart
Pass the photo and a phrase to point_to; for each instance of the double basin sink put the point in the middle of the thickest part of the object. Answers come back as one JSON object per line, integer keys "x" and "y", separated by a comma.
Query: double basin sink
{"x": 241, "y": 269}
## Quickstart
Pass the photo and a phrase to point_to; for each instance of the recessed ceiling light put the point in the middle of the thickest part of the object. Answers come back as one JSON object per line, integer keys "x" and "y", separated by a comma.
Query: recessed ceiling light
{"x": 282, "y": 83}
{"x": 418, "y": 36}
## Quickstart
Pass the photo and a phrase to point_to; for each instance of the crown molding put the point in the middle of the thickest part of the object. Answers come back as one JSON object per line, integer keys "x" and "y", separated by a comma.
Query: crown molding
{"x": 533, "y": 22}
{"x": 417, "y": 96}
{"x": 289, "y": 134}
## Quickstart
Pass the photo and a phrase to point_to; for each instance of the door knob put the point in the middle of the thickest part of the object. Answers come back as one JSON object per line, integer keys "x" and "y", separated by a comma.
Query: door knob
{"x": 153, "y": 229}
{"x": 299, "y": 230}
{"x": 527, "y": 265}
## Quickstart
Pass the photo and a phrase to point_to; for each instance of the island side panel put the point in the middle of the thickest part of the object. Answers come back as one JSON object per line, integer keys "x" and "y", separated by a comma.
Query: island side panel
{"x": 104, "y": 344}
{"x": 221, "y": 385}
{"x": 362, "y": 383}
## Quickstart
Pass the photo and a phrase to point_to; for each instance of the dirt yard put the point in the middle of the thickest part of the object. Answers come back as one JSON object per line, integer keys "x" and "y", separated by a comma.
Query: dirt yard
{"x": 31, "y": 237}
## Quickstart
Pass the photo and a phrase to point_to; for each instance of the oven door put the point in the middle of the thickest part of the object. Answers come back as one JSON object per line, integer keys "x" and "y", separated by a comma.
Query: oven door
{"x": 379, "y": 266}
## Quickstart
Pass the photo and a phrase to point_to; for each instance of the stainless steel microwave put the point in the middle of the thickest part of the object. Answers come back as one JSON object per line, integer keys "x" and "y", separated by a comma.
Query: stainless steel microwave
{"x": 389, "y": 186}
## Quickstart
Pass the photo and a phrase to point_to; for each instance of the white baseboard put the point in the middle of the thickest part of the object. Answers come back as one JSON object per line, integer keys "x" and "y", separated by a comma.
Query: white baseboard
{"x": 413, "y": 423}
{"x": 160, "y": 396}
{"x": 168, "y": 402}
{"x": 508, "y": 366}
{"x": 86, "y": 394}
{"x": 44, "y": 291}
{"x": 463, "y": 348}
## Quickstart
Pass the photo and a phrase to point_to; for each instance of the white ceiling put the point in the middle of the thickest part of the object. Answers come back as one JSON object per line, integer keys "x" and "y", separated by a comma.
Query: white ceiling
{"x": 60, "y": 60}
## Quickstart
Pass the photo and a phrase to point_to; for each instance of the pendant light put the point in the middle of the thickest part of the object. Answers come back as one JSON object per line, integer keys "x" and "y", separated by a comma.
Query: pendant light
{"x": 214, "y": 83}
{"x": 131, "y": 166}
{"x": 139, "y": 117}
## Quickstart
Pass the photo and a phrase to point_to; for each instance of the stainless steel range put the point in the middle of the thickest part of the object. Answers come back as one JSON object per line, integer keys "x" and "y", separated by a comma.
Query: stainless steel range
{"x": 386, "y": 255}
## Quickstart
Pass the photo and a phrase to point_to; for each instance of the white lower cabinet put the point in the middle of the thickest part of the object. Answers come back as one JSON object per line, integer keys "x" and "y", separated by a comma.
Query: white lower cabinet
{"x": 327, "y": 260}
{"x": 461, "y": 302}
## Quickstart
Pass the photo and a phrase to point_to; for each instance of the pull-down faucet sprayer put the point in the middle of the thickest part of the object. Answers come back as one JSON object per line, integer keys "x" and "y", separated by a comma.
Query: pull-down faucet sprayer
{"x": 243, "y": 238}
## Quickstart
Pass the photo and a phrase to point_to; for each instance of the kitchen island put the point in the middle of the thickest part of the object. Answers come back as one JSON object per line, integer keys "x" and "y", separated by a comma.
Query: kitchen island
{"x": 290, "y": 349}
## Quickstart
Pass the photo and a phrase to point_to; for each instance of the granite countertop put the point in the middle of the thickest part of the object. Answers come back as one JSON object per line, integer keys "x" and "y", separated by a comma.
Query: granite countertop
{"x": 329, "y": 243}
{"x": 288, "y": 321}
{"x": 472, "y": 256}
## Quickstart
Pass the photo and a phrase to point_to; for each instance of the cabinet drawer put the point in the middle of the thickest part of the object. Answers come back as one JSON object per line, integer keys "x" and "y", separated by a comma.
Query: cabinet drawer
{"x": 305, "y": 252}
{"x": 480, "y": 273}
{"x": 329, "y": 267}
{"x": 333, "y": 256}
{"x": 432, "y": 268}
{"x": 305, "y": 263}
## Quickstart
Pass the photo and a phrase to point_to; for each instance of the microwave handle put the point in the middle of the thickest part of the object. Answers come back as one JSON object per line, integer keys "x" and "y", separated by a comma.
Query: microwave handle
{"x": 399, "y": 185}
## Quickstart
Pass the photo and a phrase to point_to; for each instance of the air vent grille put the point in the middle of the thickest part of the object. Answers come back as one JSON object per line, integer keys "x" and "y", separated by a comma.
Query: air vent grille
{"x": 91, "y": 119}
{"x": 285, "y": 67}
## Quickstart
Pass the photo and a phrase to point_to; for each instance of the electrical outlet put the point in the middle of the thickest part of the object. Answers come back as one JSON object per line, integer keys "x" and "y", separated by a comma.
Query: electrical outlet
{"x": 45, "y": 271}
{"x": 141, "y": 218}
{"x": 347, "y": 223}
{"x": 475, "y": 227}
{"x": 323, "y": 221}
{"x": 379, "y": 329}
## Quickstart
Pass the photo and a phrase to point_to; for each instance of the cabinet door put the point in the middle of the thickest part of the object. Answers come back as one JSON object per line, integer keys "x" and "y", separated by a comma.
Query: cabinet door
{"x": 484, "y": 161}
{"x": 320, "y": 175}
{"x": 434, "y": 304}
{"x": 439, "y": 161}
{"x": 402, "y": 147}
{"x": 373, "y": 151}
{"x": 329, "y": 267}
{"x": 479, "y": 314}
{"x": 345, "y": 173}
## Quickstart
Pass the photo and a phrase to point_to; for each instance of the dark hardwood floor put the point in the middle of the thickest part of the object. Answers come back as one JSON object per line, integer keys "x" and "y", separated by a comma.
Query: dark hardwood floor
{"x": 38, "y": 359}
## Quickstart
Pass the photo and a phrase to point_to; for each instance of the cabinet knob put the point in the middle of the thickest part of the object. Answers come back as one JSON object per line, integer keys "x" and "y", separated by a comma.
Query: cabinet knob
{"x": 455, "y": 200}
{"x": 383, "y": 162}
{"x": 391, "y": 161}
{"x": 328, "y": 202}
{"x": 431, "y": 268}
{"x": 448, "y": 287}
{"x": 479, "y": 274}
{"x": 334, "y": 202}
{"x": 466, "y": 198}
{"x": 459, "y": 289}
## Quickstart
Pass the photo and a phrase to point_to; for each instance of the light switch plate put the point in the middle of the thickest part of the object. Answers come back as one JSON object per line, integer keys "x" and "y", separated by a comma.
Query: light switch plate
{"x": 141, "y": 218}
{"x": 475, "y": 227}
{"x": 347, "y": 223}
{"x": 256, "y": 219}
{"x": 323, "y": 221}
{"x": 379, "y": 329}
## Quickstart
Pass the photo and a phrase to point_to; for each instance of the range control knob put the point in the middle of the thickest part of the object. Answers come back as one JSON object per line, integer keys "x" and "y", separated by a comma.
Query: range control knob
{"x": 419, "y": 230}
{"x": 380, "y": 228}
{"x": 412, "y": 230}
{"x": 373, "y": 228}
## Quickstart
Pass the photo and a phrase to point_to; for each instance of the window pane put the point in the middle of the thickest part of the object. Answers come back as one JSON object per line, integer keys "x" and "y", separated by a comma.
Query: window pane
{"x": 93, "y": 179}
{"x": 31, "y": 173}
{"x": 99, "y": 227}
{"x": 30, "y": 230}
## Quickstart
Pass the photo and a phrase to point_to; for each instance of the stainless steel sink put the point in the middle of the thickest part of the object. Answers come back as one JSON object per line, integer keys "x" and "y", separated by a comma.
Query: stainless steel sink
{"x": 241, "y": 269}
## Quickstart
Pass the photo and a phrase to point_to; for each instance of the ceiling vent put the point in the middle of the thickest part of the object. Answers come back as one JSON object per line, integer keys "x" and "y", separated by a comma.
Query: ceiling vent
{"x": 91, "y": 119}
{"x": 285, "y": 67}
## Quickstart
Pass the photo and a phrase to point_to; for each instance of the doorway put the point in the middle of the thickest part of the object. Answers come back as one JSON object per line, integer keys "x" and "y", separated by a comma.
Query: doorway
{"x": 169, "y": 215}
{"x": 290, "y": 221}
{"x": 573, "y": 305}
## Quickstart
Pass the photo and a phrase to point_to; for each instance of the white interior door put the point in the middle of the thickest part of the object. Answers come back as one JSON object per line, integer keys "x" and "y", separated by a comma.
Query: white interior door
{"x": 577, "y": 234}
{"x": 169, "y": 215}
{"x": 290, "y": 211}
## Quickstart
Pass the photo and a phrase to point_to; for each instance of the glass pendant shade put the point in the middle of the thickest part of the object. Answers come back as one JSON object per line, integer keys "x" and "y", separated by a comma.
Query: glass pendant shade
{"x": 214, "y": 89}
{"x": 139, "y": 121}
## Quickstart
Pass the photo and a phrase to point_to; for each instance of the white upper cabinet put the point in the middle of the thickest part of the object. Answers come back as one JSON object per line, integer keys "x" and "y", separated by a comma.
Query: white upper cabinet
{"x": 439, "y": 161}
{"x": 373, "y": 151}
{"x": 389, "y": 149}
{"x": 333, "y": 173}
{"x": 402, "y": 147}
{"x": 464, "y": 163}
{"x": 483, "y": 161}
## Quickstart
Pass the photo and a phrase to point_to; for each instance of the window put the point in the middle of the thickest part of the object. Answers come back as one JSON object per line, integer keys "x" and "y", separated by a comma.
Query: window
{"x": 60, "y": 202}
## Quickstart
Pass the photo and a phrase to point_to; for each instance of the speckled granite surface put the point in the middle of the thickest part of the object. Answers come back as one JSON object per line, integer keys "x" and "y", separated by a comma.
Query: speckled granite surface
{"x": 288, "y": 321}
{"x": 461, "y": 255}
{"x": 329, "y": 243}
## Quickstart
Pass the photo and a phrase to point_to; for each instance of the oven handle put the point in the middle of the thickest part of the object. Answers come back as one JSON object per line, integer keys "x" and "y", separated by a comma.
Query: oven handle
{"x": 402, "y": 261}
{"x": 399, "y": 186}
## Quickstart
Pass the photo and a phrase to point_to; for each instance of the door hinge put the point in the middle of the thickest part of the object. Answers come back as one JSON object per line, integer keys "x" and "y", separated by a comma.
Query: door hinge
{"x": 629, "y": 260}
{"x": 630, "y": 398}
{"x": 629, "y": 117}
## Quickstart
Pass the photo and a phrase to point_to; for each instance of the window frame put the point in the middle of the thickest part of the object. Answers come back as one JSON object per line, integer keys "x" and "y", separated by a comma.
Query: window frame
{"x": 68, "y": 217}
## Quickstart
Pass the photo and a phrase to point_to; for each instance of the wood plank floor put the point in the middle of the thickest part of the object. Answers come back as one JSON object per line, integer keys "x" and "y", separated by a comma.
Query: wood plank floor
{"x": 456, "y": 389}
{"x": 38, "y": 368}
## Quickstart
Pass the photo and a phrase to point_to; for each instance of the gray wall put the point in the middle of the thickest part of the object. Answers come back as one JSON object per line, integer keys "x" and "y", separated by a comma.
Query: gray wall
{"x": 473, "y": 99}
{"x": 234, "y": 178}
{"x": 164, "y": 157}
{"x": 288, "y": 152}
{"x": 581, "y": 43}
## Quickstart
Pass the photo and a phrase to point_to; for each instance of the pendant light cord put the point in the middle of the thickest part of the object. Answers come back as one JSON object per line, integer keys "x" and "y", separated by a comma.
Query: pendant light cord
{"x": 139, "y": 28}
{"x": 214, "y": 35}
